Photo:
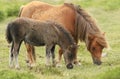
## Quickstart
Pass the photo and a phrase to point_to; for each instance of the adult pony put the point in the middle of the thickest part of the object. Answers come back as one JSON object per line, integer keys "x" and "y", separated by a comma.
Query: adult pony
{"x": 38, "y": 33}
{"x": 75, "y": 19}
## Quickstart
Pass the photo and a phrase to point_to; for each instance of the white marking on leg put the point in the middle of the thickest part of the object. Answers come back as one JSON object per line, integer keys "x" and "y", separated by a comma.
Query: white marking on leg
{"x": 16, "y": 61}
{"x": 48, "y": 60}
{"x": 11, "y": 59}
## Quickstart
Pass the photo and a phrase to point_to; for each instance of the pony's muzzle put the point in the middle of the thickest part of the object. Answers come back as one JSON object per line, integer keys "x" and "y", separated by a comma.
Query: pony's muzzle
{"x": 69, "y": 66}
{"x": 96, "y": 61}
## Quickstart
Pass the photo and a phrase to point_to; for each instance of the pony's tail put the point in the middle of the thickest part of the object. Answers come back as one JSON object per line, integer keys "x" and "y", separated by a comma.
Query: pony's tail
{"x": 21, "y": 8}
{"x": 8, "y": 34}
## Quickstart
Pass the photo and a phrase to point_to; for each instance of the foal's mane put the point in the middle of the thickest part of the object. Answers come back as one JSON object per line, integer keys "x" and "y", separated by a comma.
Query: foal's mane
{"x": 62, "y": 31}
{"x": 86, "y": 25}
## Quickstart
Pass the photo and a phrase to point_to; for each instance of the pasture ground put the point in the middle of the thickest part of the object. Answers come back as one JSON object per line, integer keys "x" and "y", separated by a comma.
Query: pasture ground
{"x": 107, "y": 14}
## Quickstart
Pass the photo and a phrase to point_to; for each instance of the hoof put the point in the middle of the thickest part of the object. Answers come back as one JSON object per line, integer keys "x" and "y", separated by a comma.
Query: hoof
{"x": 77, "y": 63}
{"x": 33, "y": 65}
{"x": 11, "y": 66}
{"x": 48, "y": 65}
{"x": 69, "y": 66}
{"x": 58, "y": 64}
{"x": 30, "y": 64}
{"x": 17, "y": 67}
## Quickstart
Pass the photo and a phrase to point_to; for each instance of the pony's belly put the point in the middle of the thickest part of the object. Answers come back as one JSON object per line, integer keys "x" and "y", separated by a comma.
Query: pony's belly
{"x": 36, "y": 44}
{"x": 34, "y": 41}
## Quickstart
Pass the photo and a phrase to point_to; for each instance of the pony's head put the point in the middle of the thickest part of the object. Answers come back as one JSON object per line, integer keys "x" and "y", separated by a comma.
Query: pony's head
{"x": 95, "y": 45}
{"x": 69, "y": 55}
{"x": 89, "y": 32}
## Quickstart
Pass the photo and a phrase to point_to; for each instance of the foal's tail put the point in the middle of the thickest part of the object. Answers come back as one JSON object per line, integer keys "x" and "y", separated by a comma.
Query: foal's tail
{"x": 8, "y": 34}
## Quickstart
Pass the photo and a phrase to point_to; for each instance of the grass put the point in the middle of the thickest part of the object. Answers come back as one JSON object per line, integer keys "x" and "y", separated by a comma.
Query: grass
{"x": 106, "y": 13}
{"x": 12, "y": 74}
{"x": 111, "y": 74}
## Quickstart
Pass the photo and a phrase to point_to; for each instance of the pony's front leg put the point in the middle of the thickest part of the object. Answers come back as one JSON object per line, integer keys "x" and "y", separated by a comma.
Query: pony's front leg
{"x": 53, "y": 56}
{"x": 47, "y": 56}
{"x": 31, "y": 58}
{"x": 58, "y": 64}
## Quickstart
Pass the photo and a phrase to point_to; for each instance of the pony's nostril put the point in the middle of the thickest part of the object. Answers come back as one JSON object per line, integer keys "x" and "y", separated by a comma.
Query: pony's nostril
{"x": 98, "y": 62}
{"x": 69, "y": 66}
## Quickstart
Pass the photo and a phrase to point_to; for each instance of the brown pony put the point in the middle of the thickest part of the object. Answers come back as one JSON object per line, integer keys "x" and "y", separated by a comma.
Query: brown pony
{"x": 75, "y": 19}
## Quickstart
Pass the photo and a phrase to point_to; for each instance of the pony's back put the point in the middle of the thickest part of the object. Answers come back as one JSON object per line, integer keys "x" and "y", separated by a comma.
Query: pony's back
{"x": 16, "y": 28}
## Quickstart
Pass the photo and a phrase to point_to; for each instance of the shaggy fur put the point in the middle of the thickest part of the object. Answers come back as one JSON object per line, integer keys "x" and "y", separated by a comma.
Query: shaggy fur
{"x": 75, "y": 19}
{"x": 38, "y": 33}
{"x": 88, "y": 31}
{"x": 89, "y": 27}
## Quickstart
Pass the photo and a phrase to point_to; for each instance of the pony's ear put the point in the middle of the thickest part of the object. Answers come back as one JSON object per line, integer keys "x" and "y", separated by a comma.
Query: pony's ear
{"x": 103, "y": 33}
{"x": 91, "y": 37}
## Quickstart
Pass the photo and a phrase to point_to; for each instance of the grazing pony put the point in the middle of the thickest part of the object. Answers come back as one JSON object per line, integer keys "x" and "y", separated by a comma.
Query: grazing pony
{"x": 75, "y": 19}
{"x": 38, "y": 33}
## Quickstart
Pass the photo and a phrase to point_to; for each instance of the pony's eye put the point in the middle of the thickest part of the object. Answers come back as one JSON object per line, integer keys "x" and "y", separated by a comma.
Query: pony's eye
{"x": 93, "y": 49}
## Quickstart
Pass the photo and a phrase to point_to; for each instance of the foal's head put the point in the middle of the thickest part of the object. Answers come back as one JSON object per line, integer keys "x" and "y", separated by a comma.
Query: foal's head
{"x": 69, "y": 55}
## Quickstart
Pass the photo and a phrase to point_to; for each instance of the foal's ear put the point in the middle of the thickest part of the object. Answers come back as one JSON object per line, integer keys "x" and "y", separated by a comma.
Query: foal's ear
{"x": 73, "y": 46}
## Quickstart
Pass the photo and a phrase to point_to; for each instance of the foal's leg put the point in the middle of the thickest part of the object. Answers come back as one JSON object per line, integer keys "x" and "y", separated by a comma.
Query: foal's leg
{"x": 15, "y": 54}
{"x": 11, "y": 57}
{"x": 53, "y": 55}
{"x": 48, "y": 54}
{"x": 31, "y": 58}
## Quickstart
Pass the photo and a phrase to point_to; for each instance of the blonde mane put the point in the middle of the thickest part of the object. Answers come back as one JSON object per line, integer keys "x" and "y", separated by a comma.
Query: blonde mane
{"x": 86, "y": 25}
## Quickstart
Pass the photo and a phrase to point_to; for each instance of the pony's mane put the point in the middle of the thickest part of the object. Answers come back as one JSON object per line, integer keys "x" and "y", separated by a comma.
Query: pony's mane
{"x": 66, "y": 33}
{"x": 70, "y": 5}
{"x": 87, "y": 25}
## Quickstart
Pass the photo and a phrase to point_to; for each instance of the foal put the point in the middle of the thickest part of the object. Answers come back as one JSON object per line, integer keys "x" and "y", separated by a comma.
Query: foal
{"x": 38, "y": 33}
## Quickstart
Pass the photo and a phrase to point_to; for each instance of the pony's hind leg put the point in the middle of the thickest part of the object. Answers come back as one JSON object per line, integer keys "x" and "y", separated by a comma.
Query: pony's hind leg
{"x": 15, "y": 54}
{"x": 11, "y": 57}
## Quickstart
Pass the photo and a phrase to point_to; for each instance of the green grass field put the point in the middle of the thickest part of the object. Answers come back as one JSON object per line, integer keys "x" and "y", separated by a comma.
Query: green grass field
{"x": 107, "y": 14}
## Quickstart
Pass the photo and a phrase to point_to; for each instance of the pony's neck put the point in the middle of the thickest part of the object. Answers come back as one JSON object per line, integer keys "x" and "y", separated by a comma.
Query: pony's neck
{"x": 86, "y": 25}
{"x": 64, "y": 43}
{"x": 65, "y": 38}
